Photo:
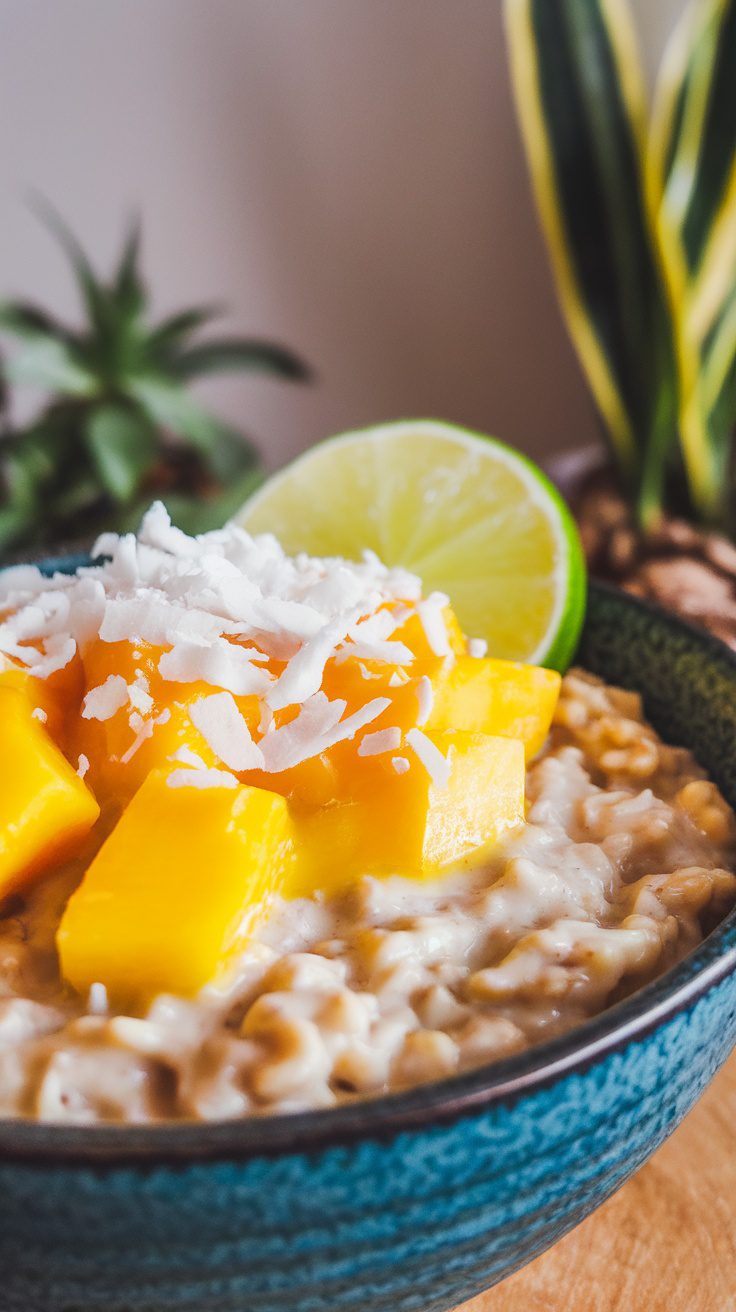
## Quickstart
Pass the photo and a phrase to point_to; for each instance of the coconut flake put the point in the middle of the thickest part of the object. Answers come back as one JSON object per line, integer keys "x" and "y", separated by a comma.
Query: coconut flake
{"x": 477, "y": 647}
{"x": 299, "y": 739}
{"x": 303, "y": 675}
{"x": 185, "y": 756}
{"x": 143, "y": 730}
{"x": 97, "y": 1001}
{"x": 82, "y": 765}
{"x": 436, "y": 765}
{"x": 383, "y": 740}
{"x": 58, "y": 652}
{"x": 104, "y": 701}
{"x": 224, "y": 729}
{"x": 38, "y": 713}
{"x": 222, "y": 664}
{"x": 139, "y": 696}
{"x": 430, "y": 612}
{"x": 390, "y": 653}
{"x": 425, "y": 698}
{"x": 316, "y": 728}
{"x": 400, "y": 764}
{"x": 201, "y": 779}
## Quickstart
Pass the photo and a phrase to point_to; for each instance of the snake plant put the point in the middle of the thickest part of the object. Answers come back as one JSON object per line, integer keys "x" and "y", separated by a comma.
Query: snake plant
{"x": 639, "y": 212}
{"x": 120, "y": 425}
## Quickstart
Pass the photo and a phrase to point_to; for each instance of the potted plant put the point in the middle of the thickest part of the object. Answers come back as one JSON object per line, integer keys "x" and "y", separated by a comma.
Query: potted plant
{"x": 639, "y": 213}
{"x": 120, "y": 426}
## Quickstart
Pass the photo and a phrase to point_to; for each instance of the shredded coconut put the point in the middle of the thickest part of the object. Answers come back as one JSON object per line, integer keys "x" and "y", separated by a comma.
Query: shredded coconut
{"x": 38, "y": 713}
{"x": 400, "y": 764}
{"x": 425, "y": 698}
{"x": 82, "y": 765}
{"x": 383, "y": 740}
{"x": 436, "y": 765}
{"x": 139, "y": 696}
{"x": 219, "y": 663}
{"x": 432, "y": 619}
{"x": 97, "y": 1001}
{"x": 106, "y": 700}
{"x": 201, "y": 779}
{"x": 477, "y": 647}
{"x": 185, "y": 756}
{"x": 237, "y": 614}
{"x": 224, "y": 729}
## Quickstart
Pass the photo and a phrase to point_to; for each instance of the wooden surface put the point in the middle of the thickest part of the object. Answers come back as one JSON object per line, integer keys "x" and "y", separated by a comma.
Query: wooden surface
{"x": 666, "y": 1242}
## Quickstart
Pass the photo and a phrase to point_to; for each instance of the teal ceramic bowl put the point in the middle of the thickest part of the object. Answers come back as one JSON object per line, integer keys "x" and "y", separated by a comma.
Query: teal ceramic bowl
{"x": 415, "y": 1201}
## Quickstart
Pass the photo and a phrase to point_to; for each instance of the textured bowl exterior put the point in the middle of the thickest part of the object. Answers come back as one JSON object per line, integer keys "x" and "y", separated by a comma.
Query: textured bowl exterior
{"x": 413, "y": 1202}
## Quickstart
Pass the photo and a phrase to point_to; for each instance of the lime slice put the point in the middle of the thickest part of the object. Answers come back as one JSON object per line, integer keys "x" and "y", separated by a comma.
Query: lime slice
{"x": 469, "y": 515}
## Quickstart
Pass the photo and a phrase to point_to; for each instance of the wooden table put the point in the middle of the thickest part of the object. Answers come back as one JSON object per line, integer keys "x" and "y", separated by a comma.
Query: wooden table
{"x": 666, "y": 1242}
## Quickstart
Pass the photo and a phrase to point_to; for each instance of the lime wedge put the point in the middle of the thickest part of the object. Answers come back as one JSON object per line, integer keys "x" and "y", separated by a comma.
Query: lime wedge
{"x": 469, "y": 515}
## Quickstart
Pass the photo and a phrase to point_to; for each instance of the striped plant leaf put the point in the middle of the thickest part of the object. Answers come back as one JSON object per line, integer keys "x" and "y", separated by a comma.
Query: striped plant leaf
{"x": 691, "y": 179}
{"x": 695, "y": 112}
{"x": 581, "y": 106}
{"x": 719, "y": 378}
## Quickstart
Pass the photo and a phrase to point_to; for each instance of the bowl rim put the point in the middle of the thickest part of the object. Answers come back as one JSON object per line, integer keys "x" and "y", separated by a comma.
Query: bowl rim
{"x": 437, "y": 1102}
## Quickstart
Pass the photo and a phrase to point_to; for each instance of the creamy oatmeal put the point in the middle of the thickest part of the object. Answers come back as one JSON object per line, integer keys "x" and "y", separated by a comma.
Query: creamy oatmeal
{"x": 623, "y": 864}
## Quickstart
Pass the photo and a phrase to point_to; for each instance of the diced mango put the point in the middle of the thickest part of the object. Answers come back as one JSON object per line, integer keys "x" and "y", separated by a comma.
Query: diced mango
{"x": 46, "y": 811}
{"x": 120, "y": 760}
{"x": 58, "y": 696}
{"x": 495, "y": 697}
{"x": 175, "y": 890}
{"x": 412, "y": 634}
{"x": 499, "y": 698}
{"x": 406, "y": 825}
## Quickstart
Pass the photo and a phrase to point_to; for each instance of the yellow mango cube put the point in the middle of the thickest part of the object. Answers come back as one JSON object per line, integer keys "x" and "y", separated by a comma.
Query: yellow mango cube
{"x": 46, "y": 811}
{"x": 407, "y": 825}
{"x": 57, "y": 697}
{"x": 495, "y": 697}
{"x": 176, "y": 889}
{"x": 121, "y": 759}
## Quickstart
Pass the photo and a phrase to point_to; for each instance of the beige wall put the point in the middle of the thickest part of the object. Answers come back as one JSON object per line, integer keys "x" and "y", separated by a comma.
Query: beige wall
{"x": 345, "y": 173}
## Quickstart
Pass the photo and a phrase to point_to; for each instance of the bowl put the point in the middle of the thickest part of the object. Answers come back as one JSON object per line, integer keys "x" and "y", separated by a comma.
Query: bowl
{"x": 414, "y": 1201}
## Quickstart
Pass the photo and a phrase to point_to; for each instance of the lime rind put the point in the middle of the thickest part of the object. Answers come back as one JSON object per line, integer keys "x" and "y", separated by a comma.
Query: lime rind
{"x": 445, "y": 544}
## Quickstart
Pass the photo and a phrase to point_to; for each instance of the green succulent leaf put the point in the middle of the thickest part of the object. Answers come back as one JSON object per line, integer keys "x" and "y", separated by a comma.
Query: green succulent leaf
{"x": 28, "y": 322}
{"x": 174, "y": 330}
{"x": 167, "y": 404}
{"x": 119, "y": 404}
{"x": 94, "y": 296}
{"x": 49, "y": 363}
{"x": 122, "y": 443}
{"x": 236, "y": 354}
{"x": 581, "y": 106}
{"x": 129, "y": 291}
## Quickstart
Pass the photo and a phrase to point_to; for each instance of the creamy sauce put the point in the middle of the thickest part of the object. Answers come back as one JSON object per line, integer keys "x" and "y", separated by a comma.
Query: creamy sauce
{"x": 624, "y": 863}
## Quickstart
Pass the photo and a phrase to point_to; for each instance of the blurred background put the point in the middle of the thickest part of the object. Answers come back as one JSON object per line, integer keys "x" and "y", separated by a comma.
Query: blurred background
{"x": 345, "y": 174}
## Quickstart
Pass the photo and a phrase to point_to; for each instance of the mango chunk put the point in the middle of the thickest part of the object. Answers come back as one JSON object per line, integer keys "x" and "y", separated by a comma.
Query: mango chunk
{"x": 46, "y": 810}
{"x": 176, "y": 889}
{"x": 122, "y": 757}
{"x": 58, "y": 696}
{"x": 495, "y": 697}
{"x": 409, "y": 826}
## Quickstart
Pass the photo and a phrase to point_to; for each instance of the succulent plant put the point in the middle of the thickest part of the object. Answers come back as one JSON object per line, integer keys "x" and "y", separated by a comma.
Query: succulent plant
{"x": 639, "y": 212}
{"x": 120, "y": 425}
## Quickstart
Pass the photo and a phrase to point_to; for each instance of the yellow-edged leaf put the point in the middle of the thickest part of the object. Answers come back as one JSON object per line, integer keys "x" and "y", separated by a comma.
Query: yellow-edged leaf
{"x": 581, "y": 106}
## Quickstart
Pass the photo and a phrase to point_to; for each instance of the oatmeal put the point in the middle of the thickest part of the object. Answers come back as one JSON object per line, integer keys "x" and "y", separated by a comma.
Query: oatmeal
{"x": 274, "y": 834}
{"x": 623, "y": 864}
